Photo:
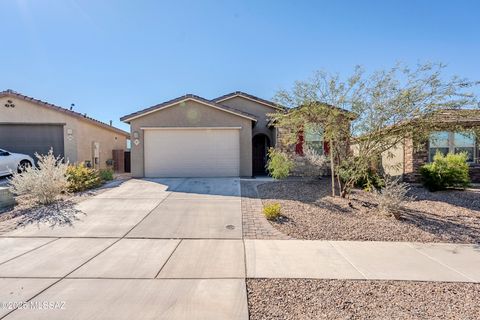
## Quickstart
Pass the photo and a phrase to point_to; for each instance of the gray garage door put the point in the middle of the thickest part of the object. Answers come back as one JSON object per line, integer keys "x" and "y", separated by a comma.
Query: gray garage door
{"x": 31, "y": 138}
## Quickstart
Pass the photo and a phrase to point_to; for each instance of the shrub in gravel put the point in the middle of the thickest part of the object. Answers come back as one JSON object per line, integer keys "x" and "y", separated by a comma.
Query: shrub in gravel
{"x": 272, "y": 211}
{"x": 278, "y": 165}
{"x": 450, "y": 171}
{"x": 106, "y": 174}
{"x": 391, "y": 196}
{"x": 43, "y": 183}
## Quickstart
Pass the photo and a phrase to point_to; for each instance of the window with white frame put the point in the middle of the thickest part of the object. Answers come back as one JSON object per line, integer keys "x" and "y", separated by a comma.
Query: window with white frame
{"x": 313, "y": 138}
{"x": 454, "y": 142}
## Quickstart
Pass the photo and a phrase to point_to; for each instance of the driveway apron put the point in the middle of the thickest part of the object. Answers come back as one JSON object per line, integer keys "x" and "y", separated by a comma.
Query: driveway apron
{"x": 149, "y": 249}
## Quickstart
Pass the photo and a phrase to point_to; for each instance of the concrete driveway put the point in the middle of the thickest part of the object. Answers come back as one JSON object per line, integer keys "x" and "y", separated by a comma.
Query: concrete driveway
{"x": 150, "y": 249}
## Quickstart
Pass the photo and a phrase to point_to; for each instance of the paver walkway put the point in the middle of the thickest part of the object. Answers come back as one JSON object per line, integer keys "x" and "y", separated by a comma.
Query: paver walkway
{"x": 173, "y": 249}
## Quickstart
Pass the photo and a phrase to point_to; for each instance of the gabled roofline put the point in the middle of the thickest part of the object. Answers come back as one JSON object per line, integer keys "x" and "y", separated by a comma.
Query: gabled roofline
{"x": 11, "y": 93}
{"x": 250, "y": 97}
{"x": 181, "y": 99}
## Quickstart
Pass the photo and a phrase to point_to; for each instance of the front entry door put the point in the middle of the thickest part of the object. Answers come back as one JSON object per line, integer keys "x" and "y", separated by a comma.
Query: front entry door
{"x": 260, "y": 145}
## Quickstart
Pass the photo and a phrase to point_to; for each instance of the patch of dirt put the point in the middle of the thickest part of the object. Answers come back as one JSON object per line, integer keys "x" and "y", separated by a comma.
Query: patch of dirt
{"x": 311, "y": 213}
{"x": 352, "y": 299}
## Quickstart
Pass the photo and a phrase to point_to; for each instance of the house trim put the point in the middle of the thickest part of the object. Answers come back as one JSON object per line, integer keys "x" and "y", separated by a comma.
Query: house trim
{"x": 176, "y": 101}
{"x": 248, "y": 97}
{"x": 190, "y": 128}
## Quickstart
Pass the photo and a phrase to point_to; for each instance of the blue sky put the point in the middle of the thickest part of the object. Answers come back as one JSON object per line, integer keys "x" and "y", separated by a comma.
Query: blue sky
{"x": 113, "y": 57}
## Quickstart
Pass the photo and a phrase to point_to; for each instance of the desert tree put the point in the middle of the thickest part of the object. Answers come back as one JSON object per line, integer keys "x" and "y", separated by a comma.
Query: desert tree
{"x": 383, "y": 108}
{"x": 325, "y": 101}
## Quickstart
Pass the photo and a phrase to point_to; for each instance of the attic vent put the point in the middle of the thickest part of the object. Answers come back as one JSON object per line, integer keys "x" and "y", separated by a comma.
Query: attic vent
{"x": 9, "y": 104}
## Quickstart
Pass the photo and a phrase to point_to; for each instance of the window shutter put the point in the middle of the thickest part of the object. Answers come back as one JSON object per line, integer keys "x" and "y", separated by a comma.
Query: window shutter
{"x": 299, "y": 145}
{"x": 326, "y": 147}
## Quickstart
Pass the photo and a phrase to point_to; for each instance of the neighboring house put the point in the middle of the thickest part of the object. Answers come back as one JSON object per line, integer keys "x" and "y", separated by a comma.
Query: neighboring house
{"x": 30, "y": 126}
{"x": 191, "y": 136}
{"x": 410, "y": 155}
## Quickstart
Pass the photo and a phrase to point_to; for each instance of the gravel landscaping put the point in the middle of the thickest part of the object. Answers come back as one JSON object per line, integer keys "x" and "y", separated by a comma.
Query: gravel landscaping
{"x": 349, "y": 299}
{"x": 309, "y": 212}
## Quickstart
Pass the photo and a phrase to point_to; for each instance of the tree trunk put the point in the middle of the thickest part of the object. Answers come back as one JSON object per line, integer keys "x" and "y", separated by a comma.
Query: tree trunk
{"x": 332, "y": 167}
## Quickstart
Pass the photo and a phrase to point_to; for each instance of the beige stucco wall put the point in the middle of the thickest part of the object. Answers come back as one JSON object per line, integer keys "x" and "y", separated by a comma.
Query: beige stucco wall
{"x": 191, "y": 114}
{"x": 108, "y": 140}
{"x": 393, "y": 160}
{"x": 78, "y": 145}
{"x": 257, "y": 109}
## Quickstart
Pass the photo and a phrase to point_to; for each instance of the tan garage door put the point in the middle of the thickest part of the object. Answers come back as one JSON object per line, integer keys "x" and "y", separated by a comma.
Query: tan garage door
{"x": 186, "y": 152}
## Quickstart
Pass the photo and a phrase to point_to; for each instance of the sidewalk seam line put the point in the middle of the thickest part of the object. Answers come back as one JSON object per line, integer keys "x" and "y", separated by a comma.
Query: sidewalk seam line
{"x": 348, "y": 260}
{"x": 439, "y": 262}
{"x": 168, "y": 259}
{"x": 31, "y": 250}
{"x": 87, "y": 261}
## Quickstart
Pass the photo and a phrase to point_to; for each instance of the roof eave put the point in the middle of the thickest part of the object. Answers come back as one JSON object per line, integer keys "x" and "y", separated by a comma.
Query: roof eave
{"x": 128, "y": 118}
{"x": 14, "y": 94}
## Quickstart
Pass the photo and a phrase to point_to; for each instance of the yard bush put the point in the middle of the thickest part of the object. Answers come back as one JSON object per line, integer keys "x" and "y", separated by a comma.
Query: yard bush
{"x": 370, "y": 181}
{"x": 43, "y": 183}
{"x": 106, "y": 174}
{"x": 278, "y": 165}
{"x": 272, "y": 211}
{"x": 450, "y": 171}
{"x": 391, "y": 196}
{"x": 81, "y": 178}
{"x": 367, "y": 178}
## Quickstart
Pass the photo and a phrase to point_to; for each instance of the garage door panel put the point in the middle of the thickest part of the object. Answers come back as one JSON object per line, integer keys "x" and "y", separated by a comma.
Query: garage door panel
{"x": 32, "y": 138}
{"x": 192, "y": 153}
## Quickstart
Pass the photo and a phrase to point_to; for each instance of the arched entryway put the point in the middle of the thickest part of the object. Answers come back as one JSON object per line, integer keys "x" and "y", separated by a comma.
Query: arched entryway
{"x": 260, "y": 145}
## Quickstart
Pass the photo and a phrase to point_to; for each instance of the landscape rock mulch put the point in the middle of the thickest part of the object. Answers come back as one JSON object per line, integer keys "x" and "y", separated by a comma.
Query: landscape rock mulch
{"x": 301, "y": 299}
{"x": 310, "y": 212}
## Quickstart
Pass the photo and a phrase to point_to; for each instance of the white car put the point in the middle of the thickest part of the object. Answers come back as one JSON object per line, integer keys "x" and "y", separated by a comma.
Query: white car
{"x": 10, "y": 162}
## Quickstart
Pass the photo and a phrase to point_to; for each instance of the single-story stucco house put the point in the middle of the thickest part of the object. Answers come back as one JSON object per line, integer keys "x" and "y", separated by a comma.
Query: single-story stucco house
{"x": 191, "y": 136}
{"x": 30, "y": 126}
{"x": 448, "y": 136}
{"x": 228, "y": 136}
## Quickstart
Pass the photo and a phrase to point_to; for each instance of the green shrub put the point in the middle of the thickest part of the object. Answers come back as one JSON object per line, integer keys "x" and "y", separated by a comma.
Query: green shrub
{"x": 272, "y": 211}
{"x": 370, "y": 181}
{"x": 450, "y": 171}
{"x": 278, "y": 165}
{"x": 82, "y": 178}
{"x": 106, "y": 174}
{"x": 366, "y": 178}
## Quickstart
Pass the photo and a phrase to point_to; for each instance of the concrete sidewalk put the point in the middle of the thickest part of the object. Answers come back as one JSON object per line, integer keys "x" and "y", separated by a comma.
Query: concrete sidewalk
{"x": 362, "y": 260}
{"x": 173, "y": 249}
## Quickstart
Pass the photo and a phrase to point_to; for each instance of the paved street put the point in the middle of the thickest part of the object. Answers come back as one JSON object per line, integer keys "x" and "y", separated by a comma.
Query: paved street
{"x": 173, "y": 249}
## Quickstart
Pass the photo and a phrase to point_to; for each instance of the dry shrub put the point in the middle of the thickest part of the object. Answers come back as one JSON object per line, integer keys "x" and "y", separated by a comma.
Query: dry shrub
{"x": 44, "y": 183}
{"x": 316, "y": 164}
{"x": 391, "y": 197}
